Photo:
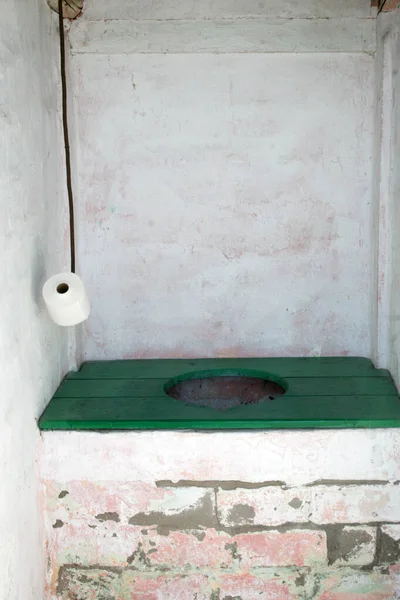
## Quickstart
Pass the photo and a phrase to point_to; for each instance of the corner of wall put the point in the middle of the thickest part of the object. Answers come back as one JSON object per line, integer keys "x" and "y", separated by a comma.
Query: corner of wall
{"x": 384, "y": 225}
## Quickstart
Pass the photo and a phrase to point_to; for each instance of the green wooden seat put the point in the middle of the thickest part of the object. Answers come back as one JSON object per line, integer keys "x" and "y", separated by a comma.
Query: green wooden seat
{"x": 337, "y": 392}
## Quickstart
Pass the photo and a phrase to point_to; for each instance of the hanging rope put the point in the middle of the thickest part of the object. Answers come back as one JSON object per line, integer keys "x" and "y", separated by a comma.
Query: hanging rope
{"x": 66, "y": 135}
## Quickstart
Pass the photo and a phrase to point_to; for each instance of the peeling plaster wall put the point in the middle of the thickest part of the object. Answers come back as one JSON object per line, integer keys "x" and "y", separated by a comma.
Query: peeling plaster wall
{"x": 34, "y": 353}
{"x": 225, "y": 185}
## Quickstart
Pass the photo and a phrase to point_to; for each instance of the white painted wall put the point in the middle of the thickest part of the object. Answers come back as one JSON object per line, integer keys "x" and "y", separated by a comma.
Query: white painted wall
{"x": 33, "y": 351}
{"x": 225, "y": 183}
{"x": 296, "y": 457}
{"x": 389, "y": 193}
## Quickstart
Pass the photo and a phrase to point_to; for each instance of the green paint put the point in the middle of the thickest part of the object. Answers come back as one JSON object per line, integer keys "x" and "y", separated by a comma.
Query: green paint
{"x": 281, "y": 367}
{"x": 320, "y": 393}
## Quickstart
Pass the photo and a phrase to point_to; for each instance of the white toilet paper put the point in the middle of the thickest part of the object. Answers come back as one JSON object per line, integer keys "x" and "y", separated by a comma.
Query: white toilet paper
{"x": 66, "y": 299}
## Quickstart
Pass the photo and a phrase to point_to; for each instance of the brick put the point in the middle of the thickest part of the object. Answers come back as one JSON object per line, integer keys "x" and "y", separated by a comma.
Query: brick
{"x": 345, "y": 584}
{"x": 137, "y": 586}
{"x": 352, "y": 546}
{"x": 215, "y": 549}
{"x": 142, "y": 548}
{"x": 137, "y": 502}
{"x": 274, "y": 505}
{"x": 356, "y": 504}
{"x": 88, "y": 584}
{"x": 182, "y": 507}
{"x": 281, "y": 586}
{"x": 392, "y": 530}
{"x": 107, "y": 543}
{"x": 120, "y": 545}
{"x": 186, "y": 550}
{"x": 389, "y": 547}
{"x": 285, "y": 584}
{"x": 273, "y": 548}
{"x": 252, "y": 587}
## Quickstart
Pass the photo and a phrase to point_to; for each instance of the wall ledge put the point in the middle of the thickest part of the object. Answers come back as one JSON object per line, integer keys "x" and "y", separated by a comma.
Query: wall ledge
{"x": 222, "y": 36}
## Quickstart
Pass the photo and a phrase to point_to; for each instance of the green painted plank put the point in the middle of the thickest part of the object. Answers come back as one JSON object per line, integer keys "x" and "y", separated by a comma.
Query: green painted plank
{"x": 321, "y": 393}
{"x": 156, "y": 412}
{"x": 303, "y": 386}
{"x": 282, "y": 367}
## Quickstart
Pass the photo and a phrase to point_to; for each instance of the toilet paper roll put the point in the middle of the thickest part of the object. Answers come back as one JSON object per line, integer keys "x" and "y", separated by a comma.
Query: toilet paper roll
{"x": 66, "y": 299}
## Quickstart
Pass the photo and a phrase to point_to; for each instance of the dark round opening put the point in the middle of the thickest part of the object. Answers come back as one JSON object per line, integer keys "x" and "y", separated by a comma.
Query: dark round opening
{"x": 62, "y": 288}
{"x": 223, "y": 392}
